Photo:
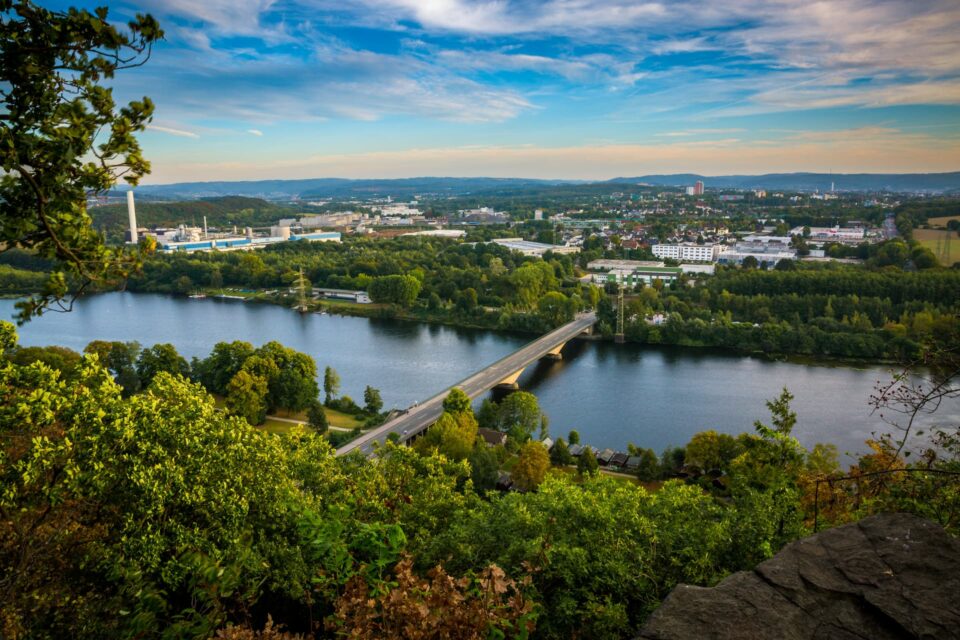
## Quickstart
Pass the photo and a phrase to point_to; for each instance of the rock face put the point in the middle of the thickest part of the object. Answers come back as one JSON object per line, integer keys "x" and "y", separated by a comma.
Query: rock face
{"x": 890, "y": 576}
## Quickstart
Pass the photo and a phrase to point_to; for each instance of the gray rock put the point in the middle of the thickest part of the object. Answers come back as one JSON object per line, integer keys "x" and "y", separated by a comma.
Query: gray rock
{"x": 887, "y": 577}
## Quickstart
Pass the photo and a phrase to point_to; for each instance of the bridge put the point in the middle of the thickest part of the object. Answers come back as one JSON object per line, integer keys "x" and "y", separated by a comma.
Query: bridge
{"x": 502, "y": 373}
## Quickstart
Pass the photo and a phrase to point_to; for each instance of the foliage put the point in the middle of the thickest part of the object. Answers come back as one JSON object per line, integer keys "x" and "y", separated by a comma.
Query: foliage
{"x": 247, "y": 397}
{"x": 518, "y": 415}
{"x": 395, "y": 289}
{"x": 331, "y": 384}
{"x": 62, "y": 137}
{"x": 560, "y": 454}
{"x": 453, "y": 435}
{"x": 532, "y": 465}
{"x": 160, "y": 357}
{"x": 457, "y": 401}
{"x": 587, "y": 464}
{"x": 372, "y": 401}
{"x": 470, "y": 608}
{"x": 317, "y": 417}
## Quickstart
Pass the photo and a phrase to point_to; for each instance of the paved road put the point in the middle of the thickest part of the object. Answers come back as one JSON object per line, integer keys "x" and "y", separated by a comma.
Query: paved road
{"x": 420, "y": 416}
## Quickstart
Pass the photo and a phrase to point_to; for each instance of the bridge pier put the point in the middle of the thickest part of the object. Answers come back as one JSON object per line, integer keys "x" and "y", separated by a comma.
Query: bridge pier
{"x": 554, "y": 354}
{"x": 510, "y": 382}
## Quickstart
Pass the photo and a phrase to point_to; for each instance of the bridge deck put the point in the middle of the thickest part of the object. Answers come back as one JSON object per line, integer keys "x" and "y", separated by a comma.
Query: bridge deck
{"x": 426, "y": 413}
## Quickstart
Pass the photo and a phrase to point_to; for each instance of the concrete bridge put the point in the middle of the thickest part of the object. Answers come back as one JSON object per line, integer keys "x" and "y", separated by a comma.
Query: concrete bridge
{"x": 502, "y": 373}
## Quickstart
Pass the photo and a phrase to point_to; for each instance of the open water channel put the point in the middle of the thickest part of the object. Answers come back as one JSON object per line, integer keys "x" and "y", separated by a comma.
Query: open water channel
{"x": 612, "y": 394}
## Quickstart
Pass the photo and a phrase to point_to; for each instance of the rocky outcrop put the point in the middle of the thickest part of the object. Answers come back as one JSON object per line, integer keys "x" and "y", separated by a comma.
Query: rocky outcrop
{"x": 891, "y": 576}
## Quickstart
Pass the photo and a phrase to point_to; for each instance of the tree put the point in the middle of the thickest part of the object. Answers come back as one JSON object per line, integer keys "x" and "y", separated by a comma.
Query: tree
{"x": 484, "y": 466}
{"x": 62, "y": 138}
{"x": 395, "y": 289}
{"x": 247, "y": 397}
{"x": 532, "y": 466}
{"x": 160, "y": 357}
{"x": 216, "y": 370}
{"x": 453, "y": 435}
{"x": 518, "y": 415}
{"x": 555, "y": 308}
{"x": 457, "y": 401}
{"x": 649, "y": 468}
{"x": 560, "y": 454}
{"x": 317, "y": 417}
{"x": 587, "y": 464}
{"x": 573, "y": 437}
{"x": 750, "y": 262}
{"x": 120, "y": 359}
{"x": 331, "y": 384}
{"x": 372, "y": 401}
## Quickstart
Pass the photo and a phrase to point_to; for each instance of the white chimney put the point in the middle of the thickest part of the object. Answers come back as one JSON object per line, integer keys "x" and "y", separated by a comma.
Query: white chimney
{"x": 132, "y": 214}
{"x": 205, "y": 227}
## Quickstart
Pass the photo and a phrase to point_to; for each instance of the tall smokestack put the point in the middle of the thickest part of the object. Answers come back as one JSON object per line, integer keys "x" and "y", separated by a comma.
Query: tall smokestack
{"x": 205, "y": 227}
{"x": 132, "y": 214}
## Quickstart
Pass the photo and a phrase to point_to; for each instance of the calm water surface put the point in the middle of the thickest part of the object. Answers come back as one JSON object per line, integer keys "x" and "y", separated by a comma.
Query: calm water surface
{"x": 612, "y": 394}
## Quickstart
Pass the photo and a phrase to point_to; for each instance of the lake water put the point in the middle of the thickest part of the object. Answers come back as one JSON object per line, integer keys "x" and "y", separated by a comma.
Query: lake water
{"x": 612, "y": 394}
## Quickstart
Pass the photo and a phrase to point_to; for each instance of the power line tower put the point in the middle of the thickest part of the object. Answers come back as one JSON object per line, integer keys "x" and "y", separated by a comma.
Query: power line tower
{"x": 619, "y": 337}
{"x": 302, "y": 292}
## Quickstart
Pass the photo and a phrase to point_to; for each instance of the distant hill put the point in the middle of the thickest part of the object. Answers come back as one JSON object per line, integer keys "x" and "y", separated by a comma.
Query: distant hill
{"x": 895, "y": 182}
{"x": 338, "y": 187}
{"x": 317, "y": 188}
{"x": 223, "y": 211}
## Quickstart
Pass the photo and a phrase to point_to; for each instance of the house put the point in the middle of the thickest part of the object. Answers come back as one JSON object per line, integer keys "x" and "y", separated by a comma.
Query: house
{"x": 547, "y": 443}
{"x": 633, "y": 463}
{"x": 604, "y": 457}
{"x": 575, "y": 450}
{"x": 619, "y": 459}
{"x": 491, "y": 437}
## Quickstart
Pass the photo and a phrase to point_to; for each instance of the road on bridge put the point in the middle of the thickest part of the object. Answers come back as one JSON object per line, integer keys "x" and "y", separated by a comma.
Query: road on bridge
{"x": 420, "y": 416}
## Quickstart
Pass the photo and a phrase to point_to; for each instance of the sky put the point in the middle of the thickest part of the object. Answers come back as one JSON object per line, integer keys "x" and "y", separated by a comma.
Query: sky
{"x": 572, "y": 89}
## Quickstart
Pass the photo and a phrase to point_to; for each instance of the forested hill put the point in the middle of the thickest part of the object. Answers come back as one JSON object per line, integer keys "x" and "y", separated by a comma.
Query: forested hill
{"x": 409, "y": 187}
{"x": 223, "y": 211}
{"x": 896, "y": 182}
{"x": 340, "y": 187}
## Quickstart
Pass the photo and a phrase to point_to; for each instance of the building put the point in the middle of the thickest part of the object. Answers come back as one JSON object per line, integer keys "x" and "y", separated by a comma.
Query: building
{"x": 832, "y": 234}
{"x": 538, "y": 214}
{"x": 189, "y": 240}
{"x": 687, "y": 252}
{"x": 437, "y": 233}
{"x": 360, "y": 297}
{"x": 767, "y": 254}
{"x": 691, "y": 191}
{"x": 633, "y": 277}
{"x": 537, "y": 249}
{"x": 698, "y": 188}
{"x": 606, "y": 265}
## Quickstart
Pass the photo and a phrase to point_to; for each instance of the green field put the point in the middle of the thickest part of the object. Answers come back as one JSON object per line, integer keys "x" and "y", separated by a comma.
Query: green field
{"x": 944, "y": 244}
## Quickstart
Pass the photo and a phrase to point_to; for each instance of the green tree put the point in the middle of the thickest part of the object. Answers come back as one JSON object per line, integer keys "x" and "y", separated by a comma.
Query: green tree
{"x": 518, "y": 415}
{"x": 160, "y": 357}
{"x": 247, "y": 397}
{"x": 457, "y": 401}
{"x": 556, "y": 309}
{"x": 560, "y": 454}
{"x": 216, "y": 370}
{"x": 484, "y": 466}
{"x": 62, "y": 137}
{"x": 395, "y": 289}
{"x": 317, "y": 417}
{"x": 331, "y": 384}
{"x": 120, "y": 358}
{"x": 573, "y": 437}
{"x": 532, "y": 466}
{"x": 453, "y": 435}
{"x": 372, "y": 401}
{"x": 587, "y": 464}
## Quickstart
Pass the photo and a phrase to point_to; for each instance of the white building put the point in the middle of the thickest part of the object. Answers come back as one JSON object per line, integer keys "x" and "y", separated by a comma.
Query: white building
{"x": 438, "y": 233}
{"x": 831, "y": 234}
{"x": 528, "y": 248}
{"x": 767, "y": 254}
{"x": 687, "y": 252}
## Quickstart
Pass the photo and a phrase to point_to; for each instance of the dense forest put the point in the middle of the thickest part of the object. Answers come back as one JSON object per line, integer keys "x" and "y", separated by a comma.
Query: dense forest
{"x": 142, "y": 510}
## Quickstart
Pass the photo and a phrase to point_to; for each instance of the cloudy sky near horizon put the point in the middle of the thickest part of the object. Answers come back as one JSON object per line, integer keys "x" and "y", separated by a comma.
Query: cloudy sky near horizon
{"x": 591, "y": 89}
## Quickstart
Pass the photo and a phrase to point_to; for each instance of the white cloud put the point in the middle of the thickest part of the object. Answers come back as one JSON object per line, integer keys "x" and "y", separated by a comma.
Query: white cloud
{"x": 173, "y": 132}
{"x": 255, "y": 132}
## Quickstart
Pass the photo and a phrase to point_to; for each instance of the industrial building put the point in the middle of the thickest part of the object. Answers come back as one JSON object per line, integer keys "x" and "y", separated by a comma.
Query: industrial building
{"x": 767, "y": 254}
{"x": 632, "y": 277}
{"x": 529, "y": 248}
{"x": 687, "y": 252}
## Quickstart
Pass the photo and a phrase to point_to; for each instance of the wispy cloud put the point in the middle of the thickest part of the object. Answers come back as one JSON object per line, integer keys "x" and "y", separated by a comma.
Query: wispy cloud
{"x": 173, "y": 132}
{"x": 255, "y": 132}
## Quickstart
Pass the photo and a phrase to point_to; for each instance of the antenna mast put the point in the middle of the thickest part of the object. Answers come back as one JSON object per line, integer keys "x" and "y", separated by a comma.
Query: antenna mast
{"x": 619, "y": 337}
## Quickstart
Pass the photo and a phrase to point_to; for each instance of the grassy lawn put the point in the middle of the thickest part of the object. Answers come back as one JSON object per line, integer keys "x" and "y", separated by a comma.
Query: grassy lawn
{"x": 941, "y": 221}
{"x": 336, "y": 418}
{"x": 930, "y": 238}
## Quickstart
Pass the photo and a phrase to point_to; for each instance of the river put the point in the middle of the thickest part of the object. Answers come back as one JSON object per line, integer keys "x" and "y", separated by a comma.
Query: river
{"x": 612, "y": 394}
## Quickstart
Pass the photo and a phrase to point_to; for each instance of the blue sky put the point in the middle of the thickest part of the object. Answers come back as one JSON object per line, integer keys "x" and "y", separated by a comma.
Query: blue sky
{"x": 591, "y": 89}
